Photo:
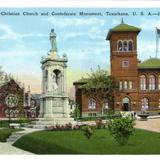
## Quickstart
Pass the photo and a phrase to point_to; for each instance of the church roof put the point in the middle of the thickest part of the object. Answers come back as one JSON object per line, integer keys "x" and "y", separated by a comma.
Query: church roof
{"x": 123, "y": 28}
{"x": 152, "y": 63}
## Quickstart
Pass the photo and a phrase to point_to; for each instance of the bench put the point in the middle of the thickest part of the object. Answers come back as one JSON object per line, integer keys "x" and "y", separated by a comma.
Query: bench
{"x": 14, "y": 125}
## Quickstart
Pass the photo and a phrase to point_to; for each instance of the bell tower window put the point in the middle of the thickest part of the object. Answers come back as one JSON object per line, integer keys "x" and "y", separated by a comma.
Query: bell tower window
{"x": 130, "y": 45}
{"x": 125, "y": 46}
{"x": 120, "y": 46}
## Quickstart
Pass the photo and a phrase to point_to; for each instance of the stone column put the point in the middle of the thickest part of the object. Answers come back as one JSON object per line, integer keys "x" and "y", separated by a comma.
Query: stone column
{"x": 48, "y": 108}
{"x": 66, "y": 108}
{"x": 41, "y": 109}
{"x": 64, "y": 81}
{"x": 49, "y": 80}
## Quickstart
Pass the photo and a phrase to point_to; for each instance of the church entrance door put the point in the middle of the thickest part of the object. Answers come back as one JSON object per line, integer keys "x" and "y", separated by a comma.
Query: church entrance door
{"x": 126, "y": 104}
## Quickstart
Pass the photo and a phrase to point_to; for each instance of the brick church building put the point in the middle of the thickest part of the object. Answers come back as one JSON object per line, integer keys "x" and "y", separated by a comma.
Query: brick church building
{"x": 139, "y": 82}
{"x": 26, "y": 104}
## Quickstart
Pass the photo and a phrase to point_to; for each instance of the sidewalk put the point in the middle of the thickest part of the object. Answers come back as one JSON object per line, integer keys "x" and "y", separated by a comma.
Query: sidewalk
{"x": 150, "y": 124}
{"x": 7, "y": 148}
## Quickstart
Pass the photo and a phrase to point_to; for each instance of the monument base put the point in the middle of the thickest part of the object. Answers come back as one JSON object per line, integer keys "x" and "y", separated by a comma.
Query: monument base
{"x": 46, "y": 122}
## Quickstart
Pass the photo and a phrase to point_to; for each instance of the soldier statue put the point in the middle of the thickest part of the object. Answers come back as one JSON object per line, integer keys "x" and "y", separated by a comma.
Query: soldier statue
{"x": 53, "y": 40}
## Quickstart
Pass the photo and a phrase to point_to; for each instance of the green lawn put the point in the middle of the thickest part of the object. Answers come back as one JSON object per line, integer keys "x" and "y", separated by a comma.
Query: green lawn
{"x": 6, "y": 132}
{"x": 5, "y": 123}
{"x": 74, "y": 142}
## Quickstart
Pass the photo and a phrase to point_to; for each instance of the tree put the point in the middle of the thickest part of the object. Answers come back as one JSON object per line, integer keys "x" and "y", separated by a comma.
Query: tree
{"x": 1, "y": 75}
{"x": 76, "y": 113}
{"x": 21, "y": 107}
{"x": 87, "y": 131}
{"x": 121, "y": 128}
{"x": 100, "y": 85}
{"x": 6, "y": 78}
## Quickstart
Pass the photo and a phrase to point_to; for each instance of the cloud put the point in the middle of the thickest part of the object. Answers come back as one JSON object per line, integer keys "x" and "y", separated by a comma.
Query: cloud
{"x": 149, "y": 24}
{"x": 8, "y": 33}
{"x": 115, "y": 22}
{"x": 146, "y": 49}
{"x": 65, "y": 22}
{"x": 18, "y": 51}
{"x": 93, "y": 33}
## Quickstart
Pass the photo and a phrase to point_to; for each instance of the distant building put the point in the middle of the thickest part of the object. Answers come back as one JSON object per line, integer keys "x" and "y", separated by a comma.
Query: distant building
{"x": 139, "y": 83}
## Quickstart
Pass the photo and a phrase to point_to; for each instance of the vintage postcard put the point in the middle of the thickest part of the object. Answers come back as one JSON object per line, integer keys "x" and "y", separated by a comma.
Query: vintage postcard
{"x": 79, "y": 81}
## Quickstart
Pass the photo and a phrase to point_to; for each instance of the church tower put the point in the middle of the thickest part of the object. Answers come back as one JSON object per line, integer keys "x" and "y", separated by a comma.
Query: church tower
{"x": 124, "y": 64}
{"x": 54, "y": 106}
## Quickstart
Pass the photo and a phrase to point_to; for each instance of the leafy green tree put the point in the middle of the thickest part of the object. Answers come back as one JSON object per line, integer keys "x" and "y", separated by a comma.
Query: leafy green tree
{"x": 121, "y": 128}
{"x": 101, "y": 85}
{"x": 21, "y": 108}
{"x": 76, "y": 113}
{"x": 87, "y": 131}
{"x": 1, "y": 75}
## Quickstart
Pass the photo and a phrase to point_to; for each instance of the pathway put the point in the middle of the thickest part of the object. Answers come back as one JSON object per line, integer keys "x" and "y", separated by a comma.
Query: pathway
{"x": 16, "y": 135}
{"x": 7, "y": 148}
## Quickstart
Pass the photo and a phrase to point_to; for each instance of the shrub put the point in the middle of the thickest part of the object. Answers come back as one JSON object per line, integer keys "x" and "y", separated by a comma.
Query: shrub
{"x": 68, "y": 126}
{"x": 99, "y": 123}
{"x": 23, "y": 120}
{"x": 87, "y": 131}
{"x": 76, "y": 112}
{"x": 58, "y": 127}
{"x": 121, "y": 129}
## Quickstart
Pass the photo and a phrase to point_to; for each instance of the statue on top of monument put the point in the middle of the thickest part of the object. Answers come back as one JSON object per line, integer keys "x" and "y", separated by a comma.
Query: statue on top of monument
{"x": 53, "y": 40}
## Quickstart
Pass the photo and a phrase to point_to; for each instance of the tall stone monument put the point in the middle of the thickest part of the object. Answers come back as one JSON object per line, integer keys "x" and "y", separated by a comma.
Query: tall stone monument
{"x": 54, "y": 104}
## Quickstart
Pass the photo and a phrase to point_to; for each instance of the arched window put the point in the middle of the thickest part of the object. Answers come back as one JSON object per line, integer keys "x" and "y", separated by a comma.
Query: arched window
{"x": 125, "y": 46}
{"x": 120, "y": 46}
{"x": 143, "y": 82}
{"x": 46, "y": 79}
{"x": 56, "y": 79}
{"x": 92, "y": 104}
{"x": 145, "y": 103}
{"x": 152, "y": 82}
{"x": 159, "y": 82}
{"x": 120, "y": 85}
{"x": 130, "y": 45}
{"x": 46, "y": 74}
{"x": 130, "y": 84}
{"x": 125, "y": 85}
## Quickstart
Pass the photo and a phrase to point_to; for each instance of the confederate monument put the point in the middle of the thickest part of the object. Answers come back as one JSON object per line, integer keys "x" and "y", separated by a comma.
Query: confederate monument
{"x": 54, "y": 106}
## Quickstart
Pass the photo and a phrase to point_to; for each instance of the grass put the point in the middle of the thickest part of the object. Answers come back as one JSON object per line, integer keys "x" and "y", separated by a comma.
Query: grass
{"x": 6, "y": 132}
{"x": 74, "y": 142}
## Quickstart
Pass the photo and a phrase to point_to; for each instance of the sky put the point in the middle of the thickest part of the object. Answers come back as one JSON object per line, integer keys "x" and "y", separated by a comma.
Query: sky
{"x": 25, "y": 39}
